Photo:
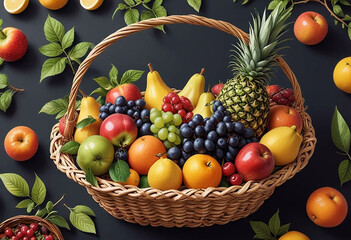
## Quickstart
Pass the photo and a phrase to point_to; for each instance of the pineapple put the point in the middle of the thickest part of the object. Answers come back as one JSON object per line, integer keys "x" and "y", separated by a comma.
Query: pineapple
{"x": 245, "y": 96}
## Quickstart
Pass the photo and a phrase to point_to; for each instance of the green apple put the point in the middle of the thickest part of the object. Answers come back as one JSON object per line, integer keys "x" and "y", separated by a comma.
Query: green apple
{"x": 96, "y": 153}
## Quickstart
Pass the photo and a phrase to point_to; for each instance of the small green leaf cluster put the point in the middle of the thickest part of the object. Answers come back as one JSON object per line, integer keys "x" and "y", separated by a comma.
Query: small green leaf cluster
{"x": 6, "y": 96}
{"x": 57, "y": 49}
{"x": 244, "y": 2}
{"x": 58, "y": 107}
{"x": 341, "y": 137}
{"x": 18, "y": 186}
{"x": 272, "y": 231}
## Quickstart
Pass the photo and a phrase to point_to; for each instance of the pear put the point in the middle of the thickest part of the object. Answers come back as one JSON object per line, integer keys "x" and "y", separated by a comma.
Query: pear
{"x": 88, "y": 107}
{"x": 194, "y": 88}
{"x": 284, "y": 143}
{"x": 164, "y": 174}
{"x": 203, "y": 106}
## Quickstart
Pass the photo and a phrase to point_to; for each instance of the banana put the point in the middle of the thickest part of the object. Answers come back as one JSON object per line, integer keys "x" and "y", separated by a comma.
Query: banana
{"x": 194, "y": 88}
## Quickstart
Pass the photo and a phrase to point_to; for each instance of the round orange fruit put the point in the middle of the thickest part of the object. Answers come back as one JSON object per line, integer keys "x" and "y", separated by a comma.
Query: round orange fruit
{"x": 53, "y": 4}
{"x": 327, "y": 207}
{"x": 164, "y": 174}
{"x": 144, "y": 152}
{"x": 201, "y": 171}
{"x": 342, "y": 75}
{"x": 133, "y": 178}
{"x": 294, "y": 235}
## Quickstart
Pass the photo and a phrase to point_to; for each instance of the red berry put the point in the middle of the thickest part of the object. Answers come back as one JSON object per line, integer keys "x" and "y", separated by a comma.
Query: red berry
{"x": 182, "y": 113}
{"x": 49, "y": 237}
{"x": 24, "y": 228}
{"x": 187, "y": 105}
{"x": 283, "y": 101}
{"x": 25, "y": 238}
{"x": 272, "y": 89}
{"x": 30, "y": 232}
{"x": 20, "y": 234}
{"x": 166, "y": 100}
{"x": 167, "y": 107}
{"x": 15, "y": 238}
{"x": 2, "y": 235}
{"x": 44, "y": 230}
{"x": 9, "y": 232}
{"x": 34, "y": 226}
{"x": 174, "y": 111}
{"x": 33, "y": 238}
{"x": 235, "y": 179}
{"x": 189, "y": 116}
{"x": 171, "y": 95}
{"x": 178, "y": 106}
{"x": 175, "y": 100}
{"x": 276, "y": 97}
{"x": 228, "y": 169}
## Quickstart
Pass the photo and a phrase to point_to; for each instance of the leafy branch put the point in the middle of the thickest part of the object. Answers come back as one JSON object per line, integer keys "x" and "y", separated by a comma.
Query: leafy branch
{"x": 341, "y": 137}
{"x": 58, "y": 107}
{"x": 79, "y": 215}
{"x": 57, "y": 49}
{"x": 6, "y": 96}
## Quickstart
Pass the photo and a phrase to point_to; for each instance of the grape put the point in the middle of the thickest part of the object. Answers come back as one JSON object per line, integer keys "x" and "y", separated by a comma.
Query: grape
{"x": 130, "y": 104}
{"x": 238, "y": 127}
{"x": 178, "y": 140}
{"x": 248, "y": 133}
{"x": 192, "y": 124}
{"x": 121, "y": 154}
{"x": 184, "y": 125}
{"x": 159, "y": 122}
{"x": 145, "y": 129}
{"x": 209, "y": 126}
{"x": 171, "y": 137}
{"x": 242, "y": 142}
{"x": 188, "y": 146}
{"x": 111, "y": 109}
{"x": 219, "y": 154}
{"x": 186, "y": 132}
{"x": 209, "y": 145}
{"x": 154, "y": 114}
{"x": 172, "y": 129}
{"x": 154, "y": 110}
{"x": 229, "y": 126}
{"x": 174, "y": 153}
{"x": 186, "y": 155}
{"x": 139, "y": 123}
{"x": 220, "y": 109}
{"x": 136, "y": 115}
{"x": 200, "y": 131}
{"x": 181, "y": 162}
{"x": 121, "y": 101}
{"x": 213, "y": 136}
{"x": 108, "y": 104}
{"x": 103, "y": 115}
{"x": 119, "y": 109}
{"x": 222, "y": 143}
{"x": 144, "y": 114}
{"x": 233, "y": 141}
{"x": 198, "y": 119}
{"x": 103, "y": 108}
{"x": 140, "y": 103}
{"x": 154, "y": 129}
{"x": 167, "y": 116}
{"x": 229, "y": 157}
{"x": 167, "y": 144}
{"x": 254, "y": 139}
{"x": 221, "y": 129}
{"x": 227, "y": 114}
{"x": 232, "y": 150}
{"x": 162, "y": 134}
{"x": 177, "y": 119}
{"x": 218, "y": 116}
{"x": 199, "y": 144}
{"x": 130, "y": 112}
{"x": 213, "y": 120}
{"x": 227, "y": 119}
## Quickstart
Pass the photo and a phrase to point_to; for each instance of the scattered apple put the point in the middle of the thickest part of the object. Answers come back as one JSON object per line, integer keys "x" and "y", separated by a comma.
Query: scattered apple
{"x": 96, "y": 153}
{"x": 128, "y": 90}
{"x": 120, "y": 129}
{"x": 254, "y": 162}
{"x": 282, "y": 115}
{"x": 21, "y": 143}
{"x": 13, "y": 44}
{"x": 62, "y": 125}
{"x": 310, "y": 28}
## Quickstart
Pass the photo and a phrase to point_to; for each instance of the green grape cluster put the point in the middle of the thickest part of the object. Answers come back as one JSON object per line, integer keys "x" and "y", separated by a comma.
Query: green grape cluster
{"x": 165, "y": 126}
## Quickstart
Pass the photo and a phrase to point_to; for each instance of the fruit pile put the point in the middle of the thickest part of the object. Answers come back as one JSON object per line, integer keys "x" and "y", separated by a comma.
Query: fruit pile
{"x": 27, "y": 232}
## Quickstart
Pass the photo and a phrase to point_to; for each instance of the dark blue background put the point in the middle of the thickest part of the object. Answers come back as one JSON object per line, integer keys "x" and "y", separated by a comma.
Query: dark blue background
{"x": 183, "y": 51}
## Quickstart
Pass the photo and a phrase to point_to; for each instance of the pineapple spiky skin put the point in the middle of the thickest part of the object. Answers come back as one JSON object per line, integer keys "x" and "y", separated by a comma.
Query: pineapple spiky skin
{"x": 248, "y": 103}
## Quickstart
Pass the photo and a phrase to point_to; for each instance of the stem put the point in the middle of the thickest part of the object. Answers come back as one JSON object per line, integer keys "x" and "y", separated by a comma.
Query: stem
{"x": 150, "y": 67}
{"x": 16, "y": 89}
{"x": 69, "y": 62}
{"x": 81, "y": 91}
{"x": 202, "y": 71}
{"x": 2, "y": 34}
{"x": 67, "y": 207}
{"x": 63, "y": 196}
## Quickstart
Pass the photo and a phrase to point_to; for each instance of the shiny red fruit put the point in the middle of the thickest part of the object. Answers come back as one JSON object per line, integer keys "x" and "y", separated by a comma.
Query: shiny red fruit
{"x": 34, "y": 226}
{"x": 178, "y": 106}
{"x": 166, "y": 100}
{"x": 167, "y": 107}
{"x": 228, "y": 169}
{"x": 24, "y": 228}
{"x": 30, "y": 232}
{"x": 25, "y": 238}
{"x": 187, "y": 105}
{"x": 182, "y": 113}
{"x": 175, "y": 100}
{"x": 216, "y": 89}
{"x": 189, "y": 116}
{"x": 127, "y": 90}
{"x": 9, "y": 232}
{"x": 33, "y": 238}
{"x": 272, "y": 89}
{"x": 13, "y": 45}
{"x": 15, "y": 238}
{"x": 171, "y": 95}
{"x": 49, "y": 237}
{"x": 235, "y": 179}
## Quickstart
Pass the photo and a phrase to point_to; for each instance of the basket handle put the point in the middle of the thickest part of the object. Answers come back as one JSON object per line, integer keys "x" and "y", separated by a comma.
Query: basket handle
{"x": 150, "y": 23}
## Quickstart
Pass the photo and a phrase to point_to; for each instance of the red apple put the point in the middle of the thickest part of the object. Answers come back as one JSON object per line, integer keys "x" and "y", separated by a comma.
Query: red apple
{"x": 254, "y": 162}
{"x": 128, "y": 90}
{"x": 216, "y": 89}
{"x": 310, "y": 28}
{"x": 13, "y": 44}
{"x": 282, "y": 115}
{"x": 62, "y": 125}
{"x": 120, "y": 129}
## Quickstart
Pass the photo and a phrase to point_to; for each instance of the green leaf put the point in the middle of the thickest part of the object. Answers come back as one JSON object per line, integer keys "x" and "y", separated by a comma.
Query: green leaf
{"x": 82, "y": 222}
{"x": 104, "y": 83}
{"x": 86, "y": 122}
{"x": 347, "y": 17}
{"x": 101, "y": 100}
{"x": 79, "y": 50}
{"x": 345, "y": 2}
{"x": 4, "y": 81}
{"x": 131, "y": 16}
{"x": 340, "y": 132}
{"x": 129, "y": 2}
{"x": 6, "y": 99}
{"x": 274, "y": 223}
{"x": 147, "y": 1}
{"x": 30, "y": 207}
{"x": 349, "y": 30}
{"x": 1, "y": 61}
{"x": 100, "y": 91}
{"x": 120, "y": 6}
{"x": 283, "y": 229}
{"x": 70, "y": 147}
{"x": 338, "y": 11}
{"x": 196, "y": 4}
{"x": 344, "y": 171}
{"x": 89, "y": 175}
{"x": 143, "y": 182}
{"x": 224, "y": 183}
{"x": 41, "y": 212}
{"x": 53, "y": 30}
{"x": 84, "y": 209}
{"x": 273, "y": 4}
{"x": 157, "y": 3}
{"x": 160, "y": 11}
{"x": 146, "y": 14}
{"x": 1, "y": 23}
{"x": 119, "y": 171}
{"x": 68, "y": 39}
{"x": 131, "y": 76}
{"x": 59, "y": 221}
{"x": 38, "y": 191}
{"x": 261, "y": 230}
{"x": 24, "y": 203}
{"x": 245, "y": 1}
{"x": 55, "y": 106}
{"x": 49, "y": 206}
{"x": 51, "y": 50}
{"x": 113, "y": 75}
{"x": 52, "y": 66}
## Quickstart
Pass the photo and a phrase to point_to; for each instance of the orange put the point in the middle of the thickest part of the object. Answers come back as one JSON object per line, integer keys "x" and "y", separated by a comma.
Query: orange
{"x": 164, "y": 174}
{"x": 201, "y": 171}
{"x": 53, "y": 4}
{"x": 327, "y": 207}
{"x": 15, "y": 6}
{"x": 342, "y": 75}
{"x": 144, "y": 152}
{"x": 133, "y": 178}
{"x": 91, "y": 4}
{"x": 294, "y": 235}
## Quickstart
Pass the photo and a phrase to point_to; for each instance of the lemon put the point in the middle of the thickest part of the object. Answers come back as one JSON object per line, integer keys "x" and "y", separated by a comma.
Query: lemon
{"x": 294, "y": 235}
{"x": 164, "y": 174}
{"x": 91, "y": 4}
{"x": 53, "y": 4}
{"x": 15, "y": 6}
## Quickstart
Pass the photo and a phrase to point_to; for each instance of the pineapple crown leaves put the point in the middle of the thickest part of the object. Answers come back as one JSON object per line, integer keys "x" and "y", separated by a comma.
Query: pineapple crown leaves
{"x": 256, "y": 59}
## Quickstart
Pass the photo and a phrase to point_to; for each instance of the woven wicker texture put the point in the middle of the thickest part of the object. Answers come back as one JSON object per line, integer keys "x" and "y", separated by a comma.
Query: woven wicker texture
{"x": 184, "y": 207}
{"x": 24, "y": 219}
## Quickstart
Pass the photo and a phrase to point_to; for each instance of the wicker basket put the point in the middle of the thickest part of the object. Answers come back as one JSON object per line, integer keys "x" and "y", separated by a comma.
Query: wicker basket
{"x": 185, "y": 207}
{"x": 24, "y": 219}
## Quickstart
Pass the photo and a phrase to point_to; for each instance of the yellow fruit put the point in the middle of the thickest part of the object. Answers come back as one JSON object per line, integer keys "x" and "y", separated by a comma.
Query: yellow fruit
{"x": 194, "y": 88}
{"x": 342, "y": 75}
{"x": 15, "y": 6}
{"x": 88, "y": 107}
{"x": 156, "y": 89}
{"x": 133, "y": 178}
{"x": 91, "y": 4}
{"x": 203, "y": 107}
{"x": 284, "y": 143}
{"x": 53, "y": 4}
{"x": 294, "y": 235}
{"x": 164, "y": 174}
